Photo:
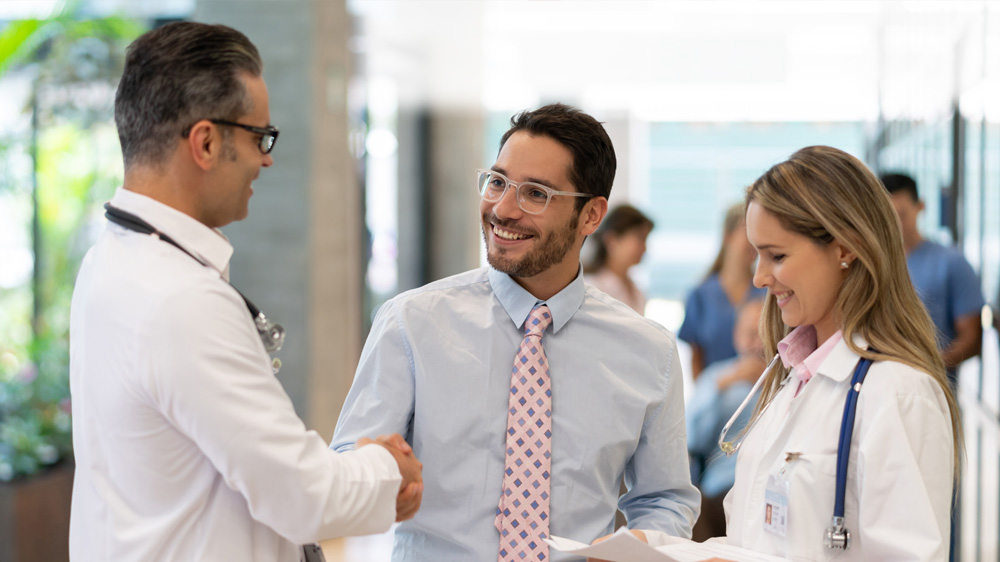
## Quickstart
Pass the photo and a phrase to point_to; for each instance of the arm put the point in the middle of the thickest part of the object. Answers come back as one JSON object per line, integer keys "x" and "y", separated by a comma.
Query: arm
{"x": 689, "y": 333}
{"x": 660, "y": 495}
{"x": 697, "y": 360}
{"x": 381, "y": 398}
{"x": 967, "y": 343}
{"x": 965, "y": 303}
{"x": 905, "y": 471}
{"x": 215, "y": 385}
{"x": 748, "y": 369}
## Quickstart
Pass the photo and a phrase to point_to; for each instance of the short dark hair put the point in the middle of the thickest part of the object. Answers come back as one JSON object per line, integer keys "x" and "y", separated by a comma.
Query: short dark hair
{"x": 594, "y": 163}
{"x": 176, "y": 75}
{"x": 896, "y": 183}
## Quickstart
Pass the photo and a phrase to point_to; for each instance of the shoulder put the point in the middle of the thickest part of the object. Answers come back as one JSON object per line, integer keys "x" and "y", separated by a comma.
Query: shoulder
{"x": 940, "y": 253}
{"x": 892, "y": 378}
{"x": 140, "y": 274}
{"x": 467, "y": 287}
{"x": 603, "y": 309}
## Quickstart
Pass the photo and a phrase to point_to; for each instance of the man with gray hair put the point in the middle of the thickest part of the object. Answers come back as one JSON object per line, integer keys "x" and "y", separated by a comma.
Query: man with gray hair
{"x": 187, "y": 447}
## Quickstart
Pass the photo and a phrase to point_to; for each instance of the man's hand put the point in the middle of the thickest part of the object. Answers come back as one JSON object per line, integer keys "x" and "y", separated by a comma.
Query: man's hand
{"x": 638, "y": 534}
{"x": 411, "y": 490}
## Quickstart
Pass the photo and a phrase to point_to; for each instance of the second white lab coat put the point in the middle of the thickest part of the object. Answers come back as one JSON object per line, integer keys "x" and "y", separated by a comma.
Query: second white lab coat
{"x": 899, "y": 483}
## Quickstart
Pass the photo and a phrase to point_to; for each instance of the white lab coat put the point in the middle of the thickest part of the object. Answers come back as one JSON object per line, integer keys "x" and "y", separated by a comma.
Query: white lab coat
{"x": 899, "y": 484}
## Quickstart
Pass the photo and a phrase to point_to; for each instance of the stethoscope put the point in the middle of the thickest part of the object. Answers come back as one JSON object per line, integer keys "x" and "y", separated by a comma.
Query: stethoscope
{"x": 837, "y": 535}
{"x": 272, "y": 334}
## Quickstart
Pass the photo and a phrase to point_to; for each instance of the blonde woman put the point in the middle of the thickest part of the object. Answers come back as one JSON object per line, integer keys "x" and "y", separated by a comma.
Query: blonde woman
{"x": 831, "y": 257}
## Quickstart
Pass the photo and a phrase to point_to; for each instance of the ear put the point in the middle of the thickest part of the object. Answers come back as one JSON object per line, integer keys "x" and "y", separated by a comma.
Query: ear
{"x": 592, "y": 215}
{"x": 204, "y": 144}
{"x": 844, "y": 255}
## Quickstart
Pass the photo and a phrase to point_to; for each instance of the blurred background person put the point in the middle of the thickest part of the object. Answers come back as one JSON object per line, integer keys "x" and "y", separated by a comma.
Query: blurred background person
{"x": 619, "y": 244}
{"x": 718, "y": 392}
{"x": 946, "y": 283}
{"x": 710, "y": 309}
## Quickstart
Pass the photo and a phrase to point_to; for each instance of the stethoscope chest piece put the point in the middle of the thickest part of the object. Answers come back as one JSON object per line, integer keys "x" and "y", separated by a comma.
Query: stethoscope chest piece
{"x": 837, "y": 536}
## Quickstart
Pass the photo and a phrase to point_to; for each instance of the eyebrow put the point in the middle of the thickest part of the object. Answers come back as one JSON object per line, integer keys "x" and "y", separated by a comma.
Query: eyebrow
{"x": 539, "y": 181}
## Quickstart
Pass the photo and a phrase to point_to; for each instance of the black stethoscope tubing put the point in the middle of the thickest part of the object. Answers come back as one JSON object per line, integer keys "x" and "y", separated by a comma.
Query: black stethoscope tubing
{"x": 272, "y": 335}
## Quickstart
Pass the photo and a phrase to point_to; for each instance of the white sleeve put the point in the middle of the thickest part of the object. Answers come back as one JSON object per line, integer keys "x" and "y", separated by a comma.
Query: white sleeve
{"x": 212, "y": 379}
{"x": 905, "y": 475}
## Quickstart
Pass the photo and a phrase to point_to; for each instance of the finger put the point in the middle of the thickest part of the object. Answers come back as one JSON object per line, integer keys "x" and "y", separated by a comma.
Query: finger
{"x": 362, "y": 442}
{"x": 396, "y": 441}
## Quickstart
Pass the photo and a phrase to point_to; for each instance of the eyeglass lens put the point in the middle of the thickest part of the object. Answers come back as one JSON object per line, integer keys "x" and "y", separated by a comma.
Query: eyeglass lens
{"x": 267, "y": 143}
{"x": 531, "y": 197}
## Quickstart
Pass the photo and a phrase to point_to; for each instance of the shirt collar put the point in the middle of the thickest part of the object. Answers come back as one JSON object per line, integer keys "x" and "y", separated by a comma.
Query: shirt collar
{"x": 800, "y": 351}
{"x": 518, "y": 302}
{"x": 208, "y": 244}
{"x": 839, "y": 363}
{"x": 797, "y": 345}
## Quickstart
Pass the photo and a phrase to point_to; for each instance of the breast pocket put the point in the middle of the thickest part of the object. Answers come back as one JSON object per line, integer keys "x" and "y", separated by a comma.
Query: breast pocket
{"x": 811, "y": 482}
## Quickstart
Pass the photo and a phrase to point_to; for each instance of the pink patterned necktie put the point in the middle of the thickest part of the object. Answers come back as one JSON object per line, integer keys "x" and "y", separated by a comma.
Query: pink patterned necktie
{"x": 523, "y": 514}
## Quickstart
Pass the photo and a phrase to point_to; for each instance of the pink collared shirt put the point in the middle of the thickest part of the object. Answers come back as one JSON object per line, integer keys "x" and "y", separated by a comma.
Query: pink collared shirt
{"x": 800, "y": 352}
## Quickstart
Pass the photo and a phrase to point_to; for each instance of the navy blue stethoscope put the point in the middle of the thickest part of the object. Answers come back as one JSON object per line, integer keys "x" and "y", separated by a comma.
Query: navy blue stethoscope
{"x": 272, "y": 334}
{"x": 837, "y": 537}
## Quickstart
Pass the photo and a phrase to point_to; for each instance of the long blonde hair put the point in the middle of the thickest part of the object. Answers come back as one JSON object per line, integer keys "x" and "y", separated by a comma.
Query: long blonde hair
{"x": 826, "y": 194}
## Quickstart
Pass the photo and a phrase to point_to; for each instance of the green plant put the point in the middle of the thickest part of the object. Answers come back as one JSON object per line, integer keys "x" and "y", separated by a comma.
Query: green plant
{"x": 72, "y": 66}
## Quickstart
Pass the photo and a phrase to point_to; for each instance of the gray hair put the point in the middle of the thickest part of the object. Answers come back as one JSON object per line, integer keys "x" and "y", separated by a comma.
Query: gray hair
{"x": 176, "y": 75}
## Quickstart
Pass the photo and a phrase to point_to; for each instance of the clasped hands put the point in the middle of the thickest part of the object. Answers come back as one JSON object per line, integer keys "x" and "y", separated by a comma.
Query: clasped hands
{"x": 411, "y": 490}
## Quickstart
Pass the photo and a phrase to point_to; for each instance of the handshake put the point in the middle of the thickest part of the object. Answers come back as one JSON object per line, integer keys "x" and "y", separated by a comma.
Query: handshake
{"x": 412, "y": 488}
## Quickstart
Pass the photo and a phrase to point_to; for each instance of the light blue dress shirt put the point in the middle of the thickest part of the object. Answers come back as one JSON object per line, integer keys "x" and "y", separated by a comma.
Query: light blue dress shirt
{"x": 436, "y": 368}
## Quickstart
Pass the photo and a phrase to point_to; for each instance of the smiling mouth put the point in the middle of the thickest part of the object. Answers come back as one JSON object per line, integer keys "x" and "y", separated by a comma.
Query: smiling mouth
{"x": 783, "y": 296}
{"x": 508, "y": 235}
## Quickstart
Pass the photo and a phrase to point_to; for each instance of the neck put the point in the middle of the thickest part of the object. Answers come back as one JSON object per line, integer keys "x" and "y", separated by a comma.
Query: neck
{"x": 548, "y": 283}
{"x": 735, "y": 272}
{"x": 165, "y": 185}
{"x": 911, "y": 239}
{"x": 618, "y": 268}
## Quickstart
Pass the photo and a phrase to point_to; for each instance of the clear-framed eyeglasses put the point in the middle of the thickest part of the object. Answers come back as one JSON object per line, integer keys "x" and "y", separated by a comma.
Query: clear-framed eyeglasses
{"x": 533, "y": 198}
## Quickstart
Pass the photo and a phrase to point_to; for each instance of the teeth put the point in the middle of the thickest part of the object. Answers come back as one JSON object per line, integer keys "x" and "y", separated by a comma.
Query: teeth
{"x": 507, "y": 235}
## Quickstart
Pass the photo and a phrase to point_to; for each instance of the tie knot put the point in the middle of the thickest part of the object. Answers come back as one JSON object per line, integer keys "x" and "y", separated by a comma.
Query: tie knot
{"x": 538, "y": 319}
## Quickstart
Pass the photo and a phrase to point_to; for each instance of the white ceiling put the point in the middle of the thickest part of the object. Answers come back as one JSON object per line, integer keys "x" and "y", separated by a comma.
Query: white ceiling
{"x": 711, "y": 60}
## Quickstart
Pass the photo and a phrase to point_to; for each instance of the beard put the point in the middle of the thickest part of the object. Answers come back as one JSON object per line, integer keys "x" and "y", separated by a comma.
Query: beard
{"x": 547, "y": 250}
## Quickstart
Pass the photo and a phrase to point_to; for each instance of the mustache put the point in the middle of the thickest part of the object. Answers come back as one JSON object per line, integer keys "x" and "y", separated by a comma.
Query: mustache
{"x": 490, "y": 218}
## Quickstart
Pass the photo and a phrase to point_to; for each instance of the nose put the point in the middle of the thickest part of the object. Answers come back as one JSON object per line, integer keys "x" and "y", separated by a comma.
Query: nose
{"x": 761, "y": 275}
{"x": 507, "y": 205}
{"x": 268, "y": 161}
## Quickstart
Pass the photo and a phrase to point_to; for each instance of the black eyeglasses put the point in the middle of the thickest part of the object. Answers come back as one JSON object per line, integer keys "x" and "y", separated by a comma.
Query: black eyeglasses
{"x": 268, "y": 135}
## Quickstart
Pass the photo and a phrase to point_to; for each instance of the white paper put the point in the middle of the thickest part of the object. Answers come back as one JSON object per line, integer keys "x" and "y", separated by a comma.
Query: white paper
{"x": 624, "y": 547}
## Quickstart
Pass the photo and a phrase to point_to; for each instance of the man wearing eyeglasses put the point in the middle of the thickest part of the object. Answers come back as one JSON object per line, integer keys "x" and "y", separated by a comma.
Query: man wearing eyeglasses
{"x": 527, "y": 394}
{"x": 186, "y": 445}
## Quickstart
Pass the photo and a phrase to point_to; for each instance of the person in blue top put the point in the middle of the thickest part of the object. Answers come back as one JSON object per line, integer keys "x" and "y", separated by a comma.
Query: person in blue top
{"x": 946, "y": 283}
{"x": 437, "y": 364}
{"x": 717, "y": 394}
{"x": 710, "y": 309}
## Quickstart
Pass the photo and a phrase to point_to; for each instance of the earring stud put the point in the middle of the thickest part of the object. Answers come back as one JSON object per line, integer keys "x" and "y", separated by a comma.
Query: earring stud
{"x": 843, "y": 265}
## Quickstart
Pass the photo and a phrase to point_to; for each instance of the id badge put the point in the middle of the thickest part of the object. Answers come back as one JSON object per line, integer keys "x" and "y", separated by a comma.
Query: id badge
{"x": 776, "y": 505}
